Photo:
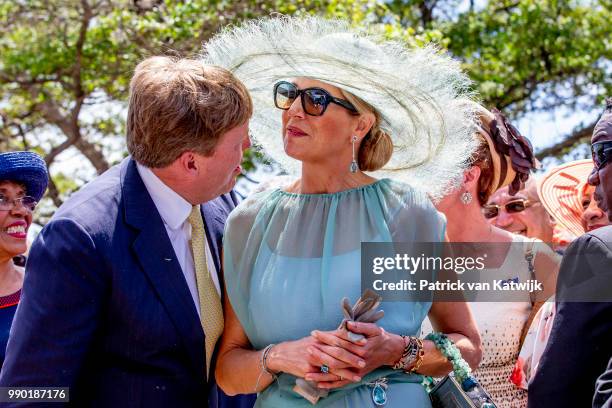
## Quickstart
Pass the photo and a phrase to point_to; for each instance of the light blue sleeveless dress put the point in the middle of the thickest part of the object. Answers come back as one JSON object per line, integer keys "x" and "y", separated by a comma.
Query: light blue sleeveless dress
{"x": 289, "y": 259}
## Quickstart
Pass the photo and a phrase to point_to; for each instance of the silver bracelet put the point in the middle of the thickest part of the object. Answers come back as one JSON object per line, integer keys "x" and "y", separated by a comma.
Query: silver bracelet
{"x": 264, "y": 365}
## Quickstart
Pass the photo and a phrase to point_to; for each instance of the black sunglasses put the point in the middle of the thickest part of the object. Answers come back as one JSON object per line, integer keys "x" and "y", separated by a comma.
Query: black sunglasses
{"x": 314, "y": 100}
{"x": 602, "y": 153}
{"x": 512, "y": 207}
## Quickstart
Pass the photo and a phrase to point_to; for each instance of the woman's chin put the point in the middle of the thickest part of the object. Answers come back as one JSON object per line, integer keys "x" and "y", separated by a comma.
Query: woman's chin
{"x": 13, "y": 250}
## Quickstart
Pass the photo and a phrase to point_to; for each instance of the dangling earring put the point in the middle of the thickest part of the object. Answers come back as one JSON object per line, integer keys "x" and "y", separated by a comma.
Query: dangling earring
{"x": 466, "y": 198}
{"x": 354, "y": 167}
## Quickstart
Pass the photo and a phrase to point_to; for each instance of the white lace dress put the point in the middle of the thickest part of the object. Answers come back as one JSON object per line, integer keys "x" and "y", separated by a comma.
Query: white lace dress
{"x": 500, "y": 325}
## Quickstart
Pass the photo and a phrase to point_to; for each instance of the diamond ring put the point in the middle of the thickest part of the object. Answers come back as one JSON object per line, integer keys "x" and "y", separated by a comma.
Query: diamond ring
{"x": 324, "y": 369}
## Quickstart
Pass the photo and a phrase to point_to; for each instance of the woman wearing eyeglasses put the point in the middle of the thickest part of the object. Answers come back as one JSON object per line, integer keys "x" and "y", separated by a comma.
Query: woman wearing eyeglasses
{"x": 503, "y": 158}
{"x": 334, "y": 111}
{"x": 23, "y": 181}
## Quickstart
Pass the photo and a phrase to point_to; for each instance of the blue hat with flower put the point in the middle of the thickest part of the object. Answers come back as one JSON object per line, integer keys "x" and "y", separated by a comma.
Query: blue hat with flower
{"x": 26, "y": 168}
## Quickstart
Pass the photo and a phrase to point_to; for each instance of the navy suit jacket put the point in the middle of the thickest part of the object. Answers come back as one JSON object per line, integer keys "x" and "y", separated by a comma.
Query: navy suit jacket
{"x": 580, "y": 342}
{"x": 105, "y": 309}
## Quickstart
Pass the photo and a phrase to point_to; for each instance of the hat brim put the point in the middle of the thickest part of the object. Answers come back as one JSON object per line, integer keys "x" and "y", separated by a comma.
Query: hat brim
{"x": 560, "y": 191}
{"x": 419, "y": 93}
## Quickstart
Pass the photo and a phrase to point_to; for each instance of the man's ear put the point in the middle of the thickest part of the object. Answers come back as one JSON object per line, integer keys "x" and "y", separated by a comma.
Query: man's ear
{"x": 188, "y": 162}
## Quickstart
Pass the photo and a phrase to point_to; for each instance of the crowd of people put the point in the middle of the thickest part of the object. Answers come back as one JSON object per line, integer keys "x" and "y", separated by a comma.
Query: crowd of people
{"x": 154, "y": 286}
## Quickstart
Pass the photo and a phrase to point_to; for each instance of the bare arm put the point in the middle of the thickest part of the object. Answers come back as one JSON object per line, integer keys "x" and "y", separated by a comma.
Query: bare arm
{"x": 456, "y": 321}
{"x": 239, "y": 368}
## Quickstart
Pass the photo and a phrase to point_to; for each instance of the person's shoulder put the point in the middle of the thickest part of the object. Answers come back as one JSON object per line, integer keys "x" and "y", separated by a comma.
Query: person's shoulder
{"x": 406, "y": 201}
{"x": 247, "y": 209}
{"x": 225, "y": 203}
{"x": 603, "y": 235}
{"x": 599, "y": 239}
{"x": 94, "y": 210}
{"x": 94, "y": 200}
{"x": 408, "y": 195}
{"x": 273, "y": 183}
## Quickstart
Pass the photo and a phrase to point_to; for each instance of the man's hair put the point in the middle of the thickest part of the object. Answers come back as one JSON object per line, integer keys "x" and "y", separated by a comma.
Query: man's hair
{"x": 178, "y": 105}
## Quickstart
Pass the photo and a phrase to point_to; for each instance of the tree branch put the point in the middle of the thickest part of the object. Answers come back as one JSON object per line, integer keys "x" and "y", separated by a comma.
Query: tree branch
{"x": 53, "y": 193}
{"x": 578, "y": 136}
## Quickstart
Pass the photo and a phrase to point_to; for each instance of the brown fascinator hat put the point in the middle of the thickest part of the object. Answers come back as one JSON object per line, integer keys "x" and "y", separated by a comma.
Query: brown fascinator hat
{"x": 511, "y": 152}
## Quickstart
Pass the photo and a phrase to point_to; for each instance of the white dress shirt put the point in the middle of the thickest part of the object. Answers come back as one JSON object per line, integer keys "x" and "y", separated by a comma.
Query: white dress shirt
{"x": 174, "y": 211}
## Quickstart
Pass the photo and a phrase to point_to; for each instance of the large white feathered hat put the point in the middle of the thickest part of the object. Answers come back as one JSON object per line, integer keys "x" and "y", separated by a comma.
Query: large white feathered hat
{"x": 419, "y": 92}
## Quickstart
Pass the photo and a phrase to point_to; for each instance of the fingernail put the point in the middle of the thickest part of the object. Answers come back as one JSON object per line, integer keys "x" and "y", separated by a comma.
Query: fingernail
{"x": 361, "y": 364}
{"x": 356, "y": 378}
{"x": 314, "y": 333}
{"x": 308, "y": 377}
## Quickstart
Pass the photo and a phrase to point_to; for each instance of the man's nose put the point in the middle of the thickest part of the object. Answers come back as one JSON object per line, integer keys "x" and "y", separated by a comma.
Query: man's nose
{"x": 593, "y": 177}
{"x": 247, "y": 143}
{"x": 593, "y": 212}
{"x": 503, "y": 219}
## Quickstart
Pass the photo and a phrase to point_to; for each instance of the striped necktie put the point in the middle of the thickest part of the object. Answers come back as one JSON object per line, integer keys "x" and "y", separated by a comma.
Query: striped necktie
{"x": 211, "y": 312}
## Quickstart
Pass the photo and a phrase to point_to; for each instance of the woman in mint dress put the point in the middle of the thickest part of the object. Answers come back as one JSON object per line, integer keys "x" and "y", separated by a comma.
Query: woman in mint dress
{"x": 292, "y": 253}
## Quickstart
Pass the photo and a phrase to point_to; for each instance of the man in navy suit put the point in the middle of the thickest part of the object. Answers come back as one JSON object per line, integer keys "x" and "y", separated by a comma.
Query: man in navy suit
{"x": 580, "y": 342}
{"x": 112, "y": 303}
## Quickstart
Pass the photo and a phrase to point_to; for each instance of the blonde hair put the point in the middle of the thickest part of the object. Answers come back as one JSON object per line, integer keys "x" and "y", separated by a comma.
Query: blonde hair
{"x": 376, "y": 147}
{"x": 178, "y": 105}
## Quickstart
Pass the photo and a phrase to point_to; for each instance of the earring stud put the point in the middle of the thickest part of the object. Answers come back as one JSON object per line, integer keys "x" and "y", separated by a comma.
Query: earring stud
{"x": 466, "y": 198}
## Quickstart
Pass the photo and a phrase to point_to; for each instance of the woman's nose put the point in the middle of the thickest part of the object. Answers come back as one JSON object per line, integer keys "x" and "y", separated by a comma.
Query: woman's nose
{"x": 296, "y": 109}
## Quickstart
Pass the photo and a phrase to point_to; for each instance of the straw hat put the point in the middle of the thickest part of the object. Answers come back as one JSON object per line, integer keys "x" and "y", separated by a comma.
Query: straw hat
{"x": 419, "y": 92}
{"x": 561, "y": 191}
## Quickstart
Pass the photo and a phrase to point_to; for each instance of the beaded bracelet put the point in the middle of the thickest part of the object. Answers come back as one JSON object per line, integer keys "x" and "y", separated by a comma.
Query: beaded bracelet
{"x": 448, "y": 349}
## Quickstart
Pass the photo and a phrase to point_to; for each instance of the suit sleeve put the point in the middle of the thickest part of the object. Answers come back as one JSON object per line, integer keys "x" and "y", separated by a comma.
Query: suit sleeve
{"x": 578, "y": 346}
{"x": 59, "y": 311}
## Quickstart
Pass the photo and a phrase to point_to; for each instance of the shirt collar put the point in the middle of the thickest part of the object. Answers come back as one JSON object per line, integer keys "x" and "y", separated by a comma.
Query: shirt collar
{"x": 173, "y": 208}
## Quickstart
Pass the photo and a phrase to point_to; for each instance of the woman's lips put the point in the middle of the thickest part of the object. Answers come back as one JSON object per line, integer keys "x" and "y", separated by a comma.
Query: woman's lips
{"x": 17, "y": 230}
{"x": 295, "y": 132}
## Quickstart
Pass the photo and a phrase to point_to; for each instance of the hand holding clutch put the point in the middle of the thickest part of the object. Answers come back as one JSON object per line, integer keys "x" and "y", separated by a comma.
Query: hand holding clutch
{"x": 364, "y": 311}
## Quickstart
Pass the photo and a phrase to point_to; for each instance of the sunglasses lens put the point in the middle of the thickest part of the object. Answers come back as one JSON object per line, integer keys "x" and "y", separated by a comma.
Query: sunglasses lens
{"x": 284, "y": 95}
{"x": 489, "y": 211}
{"x": 602, "y": 153}
{"x": 315, "y": 102}
{"x": 515, "y": 206}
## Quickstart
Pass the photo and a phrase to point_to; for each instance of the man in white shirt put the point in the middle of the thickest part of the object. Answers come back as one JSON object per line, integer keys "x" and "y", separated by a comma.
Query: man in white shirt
{"x": 122, "y": 296}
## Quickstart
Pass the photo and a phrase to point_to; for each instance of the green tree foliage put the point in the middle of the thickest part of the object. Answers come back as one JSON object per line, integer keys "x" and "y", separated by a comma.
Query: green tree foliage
{"x": 65, "y": 65}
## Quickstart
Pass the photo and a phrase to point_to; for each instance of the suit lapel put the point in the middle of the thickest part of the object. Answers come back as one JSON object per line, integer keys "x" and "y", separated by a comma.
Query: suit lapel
{"x": 155, "y": 253}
